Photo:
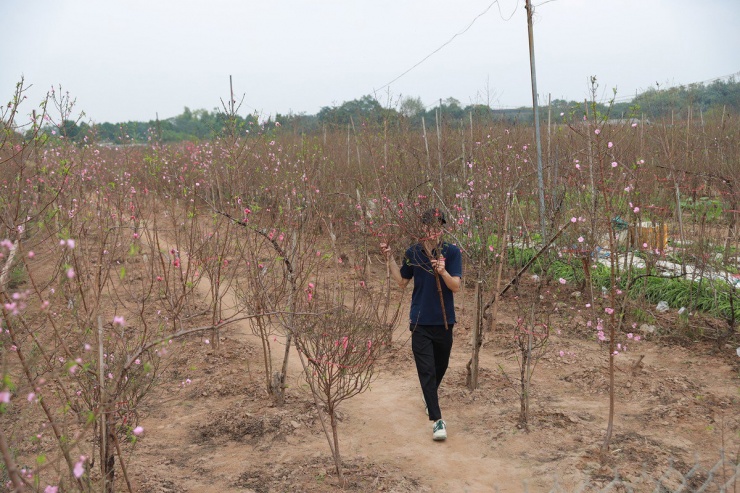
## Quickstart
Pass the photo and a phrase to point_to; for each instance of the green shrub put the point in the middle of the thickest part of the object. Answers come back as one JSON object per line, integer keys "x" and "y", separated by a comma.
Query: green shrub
{"x": 709, "y": 297}
{"x": 18, "y": 277}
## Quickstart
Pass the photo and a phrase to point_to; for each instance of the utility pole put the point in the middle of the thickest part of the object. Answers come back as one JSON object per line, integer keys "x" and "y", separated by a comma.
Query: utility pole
{"x": 540, "y": 179}
{"x": 231, "y": 101}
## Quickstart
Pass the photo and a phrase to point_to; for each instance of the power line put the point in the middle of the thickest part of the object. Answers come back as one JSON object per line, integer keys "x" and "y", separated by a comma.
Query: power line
{"x": 452, "y": 39}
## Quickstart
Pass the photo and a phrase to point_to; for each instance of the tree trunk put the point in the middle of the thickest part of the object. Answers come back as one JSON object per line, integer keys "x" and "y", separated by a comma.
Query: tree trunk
{"x": 109, "y": 457}
{"x": 335, "y": 436}
{"x": 477, "y": 335}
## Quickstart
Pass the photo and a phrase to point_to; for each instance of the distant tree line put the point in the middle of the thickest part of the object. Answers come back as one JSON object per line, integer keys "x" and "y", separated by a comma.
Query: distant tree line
{"x": 655, "y": 104}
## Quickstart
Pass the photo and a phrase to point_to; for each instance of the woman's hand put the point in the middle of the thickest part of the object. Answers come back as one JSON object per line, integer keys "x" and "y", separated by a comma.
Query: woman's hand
{"x": 386, "y": 249}
{"x": 439, "y": 264}
{"x": 453, "y": 283}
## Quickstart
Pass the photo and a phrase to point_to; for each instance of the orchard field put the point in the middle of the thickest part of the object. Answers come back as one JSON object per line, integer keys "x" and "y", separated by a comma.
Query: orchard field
{"x": 217, "y": 316}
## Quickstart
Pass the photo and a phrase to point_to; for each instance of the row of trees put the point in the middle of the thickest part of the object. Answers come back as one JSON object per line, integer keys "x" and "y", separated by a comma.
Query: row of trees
{"x": 110, "y": 254}
{"x": 199, "y": 125}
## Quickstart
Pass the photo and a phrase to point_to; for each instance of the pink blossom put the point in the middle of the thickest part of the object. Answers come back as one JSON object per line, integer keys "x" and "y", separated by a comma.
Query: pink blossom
{"x": 70, "y": 273}
{"x": 4, "y": 397}
{"x": 610, "y": 145}
{"x": 31, "y": 254}
{"x": 597, "y": 131}
{"x": 31, "y": 396}
{"x": 609, "y": 310}
{"x": 51, "y": 489}
{"x": 119, "y": 320}
{"x": 562, "y": 281}
{"x": 636, "y": 210}
{"x": 79, "y": 468}
{"x": 12, "y": 308}
{"x": 580, "y": 239}
{"x": 614, "y": 164}
{"x": 138, "y": 430}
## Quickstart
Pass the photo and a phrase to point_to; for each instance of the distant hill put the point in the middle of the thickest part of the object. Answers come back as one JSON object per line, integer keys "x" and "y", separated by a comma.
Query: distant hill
{"x": 654, "y": 104}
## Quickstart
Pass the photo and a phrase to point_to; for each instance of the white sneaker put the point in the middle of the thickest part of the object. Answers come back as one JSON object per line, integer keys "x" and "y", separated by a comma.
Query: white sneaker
{"x": 439, "y": 430}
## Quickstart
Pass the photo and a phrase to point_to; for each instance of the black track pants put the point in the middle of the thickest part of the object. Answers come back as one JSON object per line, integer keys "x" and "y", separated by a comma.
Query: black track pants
{"x": 431, "y": 345}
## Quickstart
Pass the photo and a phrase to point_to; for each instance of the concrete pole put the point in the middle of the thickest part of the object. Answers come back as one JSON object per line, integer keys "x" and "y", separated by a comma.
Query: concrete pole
{"x": 540, "y": 179}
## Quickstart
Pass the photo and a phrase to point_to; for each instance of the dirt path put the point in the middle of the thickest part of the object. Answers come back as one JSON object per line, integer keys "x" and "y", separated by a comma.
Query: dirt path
{"x": 389, "y": 425}
{"x": 221, "y": 433}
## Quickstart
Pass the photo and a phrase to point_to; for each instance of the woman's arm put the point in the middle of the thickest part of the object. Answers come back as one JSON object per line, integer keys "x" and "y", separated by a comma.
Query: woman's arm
{"x": 395, "y": 270}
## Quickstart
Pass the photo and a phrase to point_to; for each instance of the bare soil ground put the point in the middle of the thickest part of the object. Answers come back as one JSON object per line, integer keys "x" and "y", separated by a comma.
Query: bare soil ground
{"x": 676, "y": 408}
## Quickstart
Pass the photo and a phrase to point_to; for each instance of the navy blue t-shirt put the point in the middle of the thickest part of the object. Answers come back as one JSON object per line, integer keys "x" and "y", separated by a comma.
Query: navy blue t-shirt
{"x": 425, "y": 306}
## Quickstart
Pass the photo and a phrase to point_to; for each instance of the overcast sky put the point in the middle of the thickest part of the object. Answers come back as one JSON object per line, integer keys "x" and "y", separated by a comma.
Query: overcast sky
{"x": 133, "y": 59}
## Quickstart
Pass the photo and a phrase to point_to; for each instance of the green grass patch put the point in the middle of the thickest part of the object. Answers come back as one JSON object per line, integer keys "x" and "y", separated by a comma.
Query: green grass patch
{"x": 712, "y": 297}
